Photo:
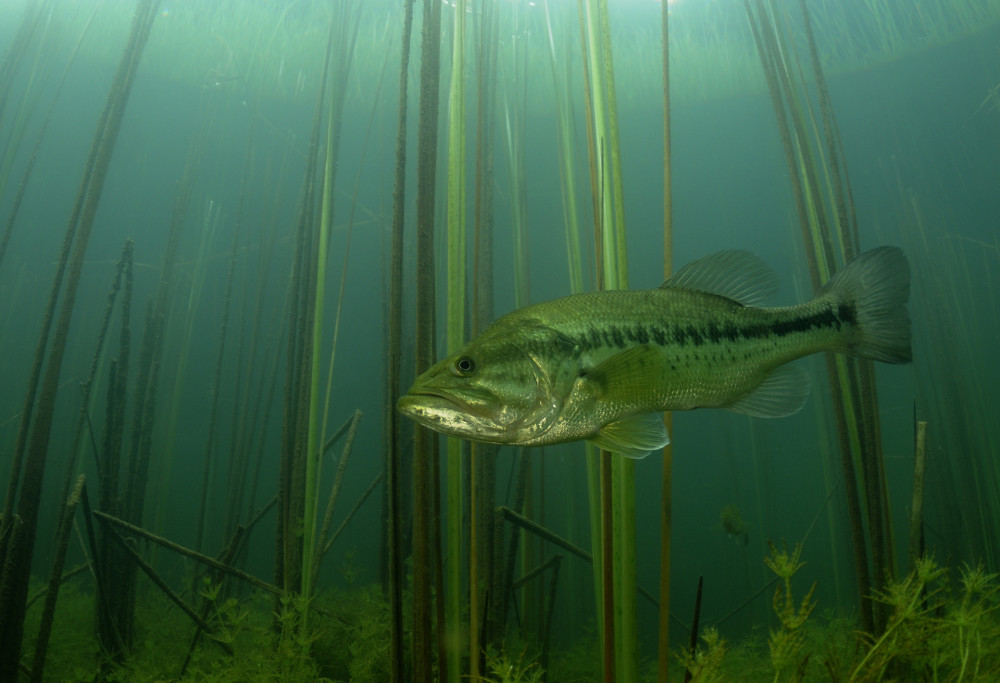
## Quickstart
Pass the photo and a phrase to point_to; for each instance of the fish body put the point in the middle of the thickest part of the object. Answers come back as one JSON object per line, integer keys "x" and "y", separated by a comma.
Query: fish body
{"x": 734, "y": 525}
{"x": 601, "y": 366}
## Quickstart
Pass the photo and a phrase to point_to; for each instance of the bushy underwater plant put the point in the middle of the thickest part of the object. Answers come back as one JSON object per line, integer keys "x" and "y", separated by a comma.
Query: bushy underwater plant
{"x": 937, "y": 630}
{"x": 503, "y": 669}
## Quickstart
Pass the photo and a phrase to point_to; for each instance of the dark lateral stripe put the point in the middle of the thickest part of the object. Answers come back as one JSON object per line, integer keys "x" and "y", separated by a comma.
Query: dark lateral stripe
{"x": 624, "y": 336}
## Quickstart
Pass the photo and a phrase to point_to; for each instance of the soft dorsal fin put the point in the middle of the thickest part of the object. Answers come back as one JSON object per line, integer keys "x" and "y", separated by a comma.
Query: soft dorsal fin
{"x": 734, "y": 274}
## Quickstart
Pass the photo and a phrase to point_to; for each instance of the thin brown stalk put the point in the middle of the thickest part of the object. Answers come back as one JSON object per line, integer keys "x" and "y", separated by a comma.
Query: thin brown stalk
{"x": 167, "y": 590}
{"x": 33, "y": 453}
{"x": 331, "y": 502}
{"x": 55, "y": 580}
{"x": 424, "y": 444}
{"x": 187, "y": 552}
{"x": 917, "y": 508}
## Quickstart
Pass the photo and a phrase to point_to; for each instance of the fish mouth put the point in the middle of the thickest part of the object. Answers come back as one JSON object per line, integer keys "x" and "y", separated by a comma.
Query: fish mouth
{"x": 413, "y": 401}
{"x": 427, "y": 400}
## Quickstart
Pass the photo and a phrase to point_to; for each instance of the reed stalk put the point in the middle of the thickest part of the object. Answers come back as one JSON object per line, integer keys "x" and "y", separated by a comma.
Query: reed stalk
{"x": 350, "y": 514}
{"x": 516, "y": 538}
{"x": 33, "y": 21}
{"x": 618, "y": 593}
{"x": 239, "y": 453}
{"x": 693, "y": 639}
{"x": 338, "y": 480}
{"x": 55, "y": 580}
{"x": 483, "y": 575}
{"x": 393, "y": 459}
{"x": 207, "y": 233}
{"x": 188, "y": 552}
{"x": 149, "y": 366}
{"x": 212, "y": 583}
{"x": 829, "y": 231}
{"x": 32, "y": 454}
{"x": 455, "y": 334}
{"x": 27, "y": 27}
{"x": 917, "y": 507}
{"x": 167, "y": 590}
{"x": 424, "y": 444}
{"x": 288, "y": 557}
{"x": 666, "y": 482}
{"x": 314, "y": 437}
{"x": 567, "y": 158}
{"x": 525, "y": 523}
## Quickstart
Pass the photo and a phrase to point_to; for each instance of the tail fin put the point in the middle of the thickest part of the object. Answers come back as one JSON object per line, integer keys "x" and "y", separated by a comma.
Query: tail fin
{"x": 877, "y": 284}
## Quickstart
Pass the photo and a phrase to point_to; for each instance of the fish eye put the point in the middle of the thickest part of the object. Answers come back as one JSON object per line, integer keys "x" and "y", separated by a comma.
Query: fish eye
{"x": 464, "y": 366}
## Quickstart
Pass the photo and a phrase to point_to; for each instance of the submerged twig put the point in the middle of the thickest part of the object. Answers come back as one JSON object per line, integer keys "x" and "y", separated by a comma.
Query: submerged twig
{"x": 162, "y": 585}
{"x": 350, "y": 515}
{"x": 193, "y": 554}
{"x": 331, "y": 502}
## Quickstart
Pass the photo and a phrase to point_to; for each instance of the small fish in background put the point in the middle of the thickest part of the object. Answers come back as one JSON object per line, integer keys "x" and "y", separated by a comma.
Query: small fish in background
{"x": 602, "y": 366}
{"x": 215, "y": 79}
{"x": 734, "y": 525}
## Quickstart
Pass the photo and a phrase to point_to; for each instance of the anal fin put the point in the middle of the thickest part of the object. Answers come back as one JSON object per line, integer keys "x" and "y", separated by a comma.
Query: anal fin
{"x": 781, "y": 394}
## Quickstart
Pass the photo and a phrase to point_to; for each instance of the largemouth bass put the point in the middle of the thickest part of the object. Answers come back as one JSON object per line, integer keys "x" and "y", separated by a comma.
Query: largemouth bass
{"x": 602, "y": 366}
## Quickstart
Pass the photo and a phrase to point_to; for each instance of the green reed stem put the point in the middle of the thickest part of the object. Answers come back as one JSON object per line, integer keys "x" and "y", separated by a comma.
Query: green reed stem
{"x": 33, "y": 453}
{"x": 666, "y": 482}
{"x": 455, "y": 331}
{"x": 393, "y": 457}
{"x": 424, "y": 444}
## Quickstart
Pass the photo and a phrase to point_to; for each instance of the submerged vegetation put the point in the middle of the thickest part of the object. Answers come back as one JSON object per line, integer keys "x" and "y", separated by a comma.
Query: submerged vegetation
{"x": 942, "y": 625}
{"x": 197, "y": 481}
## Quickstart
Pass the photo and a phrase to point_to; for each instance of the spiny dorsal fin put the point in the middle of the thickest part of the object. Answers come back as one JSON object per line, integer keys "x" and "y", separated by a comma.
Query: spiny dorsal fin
{"x": 734, "y": 274}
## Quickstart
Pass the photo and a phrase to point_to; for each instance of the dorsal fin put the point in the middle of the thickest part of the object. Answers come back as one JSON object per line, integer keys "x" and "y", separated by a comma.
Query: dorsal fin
{"x": 734, "y": 274}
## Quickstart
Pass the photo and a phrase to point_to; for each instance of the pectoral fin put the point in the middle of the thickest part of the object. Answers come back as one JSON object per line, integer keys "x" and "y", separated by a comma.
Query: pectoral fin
{"x": 633, "y": 437}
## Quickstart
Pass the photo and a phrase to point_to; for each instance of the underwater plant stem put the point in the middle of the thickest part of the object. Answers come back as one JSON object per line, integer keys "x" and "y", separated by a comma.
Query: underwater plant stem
{"x": 25, "y": 29}
{"x": 393, "y": 467}
{"x": 331, "y": 502}
{"x": 556, "y": 561}
{"x": 424, "y": 444}
{"x": 167, "y": 590}
{"x": 227, "y": 556}
{"x": 187, "y": 552}
{"x": 456, "y": 286}
{"x": 693, "y": 640}
{"x": 33, "y": 453}
{"x": 484, "y": 572}
{"x": 55, "y": 580}
{"x": 617, "y": 477}
{"x": 567, "y": 159}
{"x": 540, "y": 531}
{"x": 666, "y": 482}
{"x": 313, "y": 452}
{"x": 220, "y": 358}
{"x": 607, "y": 568}
{"x": 917, "y": 508}
{"x": 828, "y": 226}
{"x": 350, "y": 515}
